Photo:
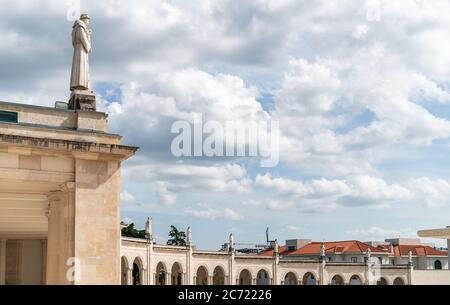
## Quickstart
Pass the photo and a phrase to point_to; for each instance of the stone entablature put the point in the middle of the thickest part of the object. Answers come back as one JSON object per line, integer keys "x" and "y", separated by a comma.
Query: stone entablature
{"x": 54, "y": 117}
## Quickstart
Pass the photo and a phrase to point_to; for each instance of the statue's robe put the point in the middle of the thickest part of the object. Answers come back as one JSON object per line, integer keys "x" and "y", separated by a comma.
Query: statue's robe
{"x": 81, "y": 42}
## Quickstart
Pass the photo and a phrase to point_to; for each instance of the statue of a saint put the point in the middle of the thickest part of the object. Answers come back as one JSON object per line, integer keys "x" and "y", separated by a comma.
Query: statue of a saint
{"x": 322, "y": 250}
{"x": 81, "y": 41}
{"x": 231, "y": 242}
{"x": 148, "y": 228}
{"x": 189, "y": 236}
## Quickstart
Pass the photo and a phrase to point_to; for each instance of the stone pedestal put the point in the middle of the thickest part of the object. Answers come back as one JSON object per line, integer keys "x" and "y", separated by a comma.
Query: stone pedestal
{"x": 82, "y": 100}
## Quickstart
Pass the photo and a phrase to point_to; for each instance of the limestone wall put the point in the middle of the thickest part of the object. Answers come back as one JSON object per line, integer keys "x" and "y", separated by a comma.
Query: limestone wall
{"x": 431, "y": 277}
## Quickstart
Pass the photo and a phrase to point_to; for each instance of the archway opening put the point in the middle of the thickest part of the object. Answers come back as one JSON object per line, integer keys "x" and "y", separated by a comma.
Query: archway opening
{"x": 290, "y": 279}
{"x": 309, "y": 279}
{"x": 355, "y": 280}
{"x": 124, "y": 271}
{"x": 382, "y": 282}
{"x": 161, "y": 274}
{"x": 262, "y": 278}
{"x": 438, "y": 265}
{"x": 218, "y": 276}
{"x": 399, "y": 282}
{"x": 245, "y": 277}
{"x": 177, "y": 274}
{"x": 137, "y": 273}
{"x": 202, "y": 276}
{"x": 337, "y": 280}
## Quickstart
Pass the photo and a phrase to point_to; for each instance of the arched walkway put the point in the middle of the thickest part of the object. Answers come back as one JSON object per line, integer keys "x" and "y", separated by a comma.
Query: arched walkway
{"x": 399, "y": 282}
{"x": 382, "y": 282}
{"x": 161, "y": 274}
{"x": 177, "y": 274}
{"x": 202, "y": 276}
{"x": 138, "y": 274}
{"x": 290, "y": 279}
{"x": 218, "y": 276}
{"x": 262, "y": 278}
{"x": 124, "y": 271}
{"x": 355, "y": 280}
{"x": 245, "y": 277}
{"x": 309, "y": 279}
{"x": 337, "y": 280}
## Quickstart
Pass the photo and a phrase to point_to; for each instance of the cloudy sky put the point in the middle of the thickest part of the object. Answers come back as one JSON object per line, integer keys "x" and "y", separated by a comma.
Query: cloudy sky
{"x": 361, "y": 90}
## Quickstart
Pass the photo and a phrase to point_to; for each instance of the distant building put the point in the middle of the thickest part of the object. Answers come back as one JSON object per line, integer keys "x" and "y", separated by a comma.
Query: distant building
{"x": 390, "y": 252}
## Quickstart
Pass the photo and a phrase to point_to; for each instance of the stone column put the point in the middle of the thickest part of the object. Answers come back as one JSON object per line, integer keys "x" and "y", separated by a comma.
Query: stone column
{"x": 151, "y": 279}
{"x": 276, "y": 280}
{"x": 322, "y": 272}
{"x": 130, "y": 276}
{"x": 144, "y": 276}
{"x": 97, "y": 209}
{"x": 448, "y": 247}
{"x": 231, "y": 278}
{"x": 44, "y": 261}
{"x": 210, "y": 280}
{"x": 169, "y": 278}
{"x": 2, "y": 261}
{"x": 61, "y": 237}
{"x": 191, "y": 279}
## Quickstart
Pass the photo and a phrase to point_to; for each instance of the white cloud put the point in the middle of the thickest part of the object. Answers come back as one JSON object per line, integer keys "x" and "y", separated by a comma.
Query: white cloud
{"x": 126, "y": 197}
{"x": 381, "y": 233}
{"x": 207, "y": 212}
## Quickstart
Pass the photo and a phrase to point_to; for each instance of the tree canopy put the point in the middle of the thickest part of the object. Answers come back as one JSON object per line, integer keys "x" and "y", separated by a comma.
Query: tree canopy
{"x": 131, "y": 231}
{"x": 177, "y": 238}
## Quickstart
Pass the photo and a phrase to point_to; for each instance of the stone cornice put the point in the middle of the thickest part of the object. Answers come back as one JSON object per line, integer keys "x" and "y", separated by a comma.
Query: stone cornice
{"x": 78, "y": 148}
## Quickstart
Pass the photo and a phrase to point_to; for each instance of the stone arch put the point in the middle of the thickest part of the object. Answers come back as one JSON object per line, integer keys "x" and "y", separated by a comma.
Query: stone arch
{"x": 202, "y": 276}
{"x": 124, "y": 267}
{"x": 161, "y": 274}
{"x": 438, "y": 265}
{"x": 290, "y": 279}
{"x": 138, "y": 271}
{"x": 219, "y": 276}
{"x": 355, "y": 280}
{"x": 382, "y": 282}
{"x": 263, "y": 277}
{"x": 337, "y": 280}
{"x": 310, "y": 279}
{"x": 399, "y": 282}
{"x": 176, "y": 274}
{"x": 245, "y": 277}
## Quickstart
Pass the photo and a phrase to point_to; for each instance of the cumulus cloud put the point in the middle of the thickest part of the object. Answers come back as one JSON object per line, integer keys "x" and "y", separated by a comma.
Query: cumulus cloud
{"x": 354, "y": 85}
{"x": 206, "y": 212}
{"x": 382, "y": 233}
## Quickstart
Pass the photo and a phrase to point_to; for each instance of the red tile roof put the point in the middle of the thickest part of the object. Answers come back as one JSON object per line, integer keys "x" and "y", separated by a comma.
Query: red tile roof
{"x": 417, "y": 250}
{"x": 351, "y": 246}
{"x": 270, "y": 252}
{"x": 354, "y": 246}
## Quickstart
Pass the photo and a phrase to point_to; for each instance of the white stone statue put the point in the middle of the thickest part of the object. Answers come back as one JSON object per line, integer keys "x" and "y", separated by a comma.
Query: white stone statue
{"x": 148, "y": 228}
{"x": 189, "y": 236}
{"x": 231, "y": 241}
{"x": 322, "y": 250}
{"x": 81, "y": 41}
{"x": 277, "y": 249}
{"x": 410, "y": 257}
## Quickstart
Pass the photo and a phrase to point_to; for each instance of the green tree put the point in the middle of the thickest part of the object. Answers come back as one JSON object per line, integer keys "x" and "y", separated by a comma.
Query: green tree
{"x": 177, "y": 238}
{"x": 131, "y": 231}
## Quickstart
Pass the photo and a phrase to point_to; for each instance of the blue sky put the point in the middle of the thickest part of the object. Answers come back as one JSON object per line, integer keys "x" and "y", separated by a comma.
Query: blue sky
{"x": 360, "y": 89}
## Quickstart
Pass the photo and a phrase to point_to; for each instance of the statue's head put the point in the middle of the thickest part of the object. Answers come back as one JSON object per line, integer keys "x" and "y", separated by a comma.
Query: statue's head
{"x": 85, "y": 18}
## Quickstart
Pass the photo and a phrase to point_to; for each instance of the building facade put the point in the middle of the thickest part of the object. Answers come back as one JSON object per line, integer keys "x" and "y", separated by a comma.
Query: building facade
{"x": 59, "y": 196}
{"x": 336, "y": 263}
